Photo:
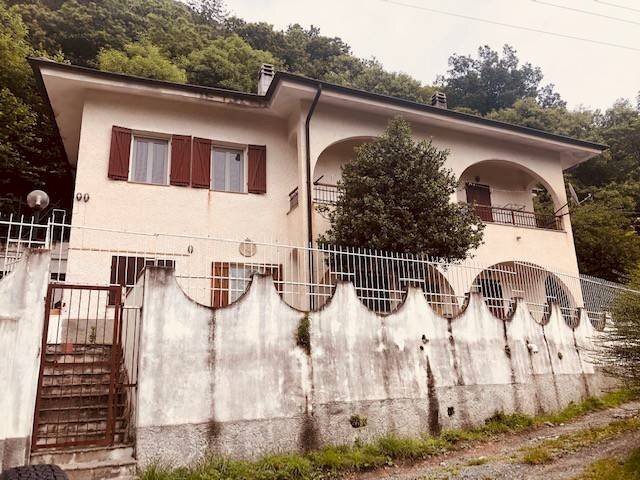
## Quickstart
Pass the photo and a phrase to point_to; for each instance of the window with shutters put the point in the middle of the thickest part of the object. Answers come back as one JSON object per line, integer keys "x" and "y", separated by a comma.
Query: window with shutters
{"x": 125, "y": 271}
{"x": 149, "y": 161}
{"x": 228, "y": 170}
{"x": 231, "y": 279}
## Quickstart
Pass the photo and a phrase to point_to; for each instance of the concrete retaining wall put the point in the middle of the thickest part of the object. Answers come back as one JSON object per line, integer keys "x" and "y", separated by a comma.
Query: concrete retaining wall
{"x": 236, "y": 381}
{"x": 22, "y": 297}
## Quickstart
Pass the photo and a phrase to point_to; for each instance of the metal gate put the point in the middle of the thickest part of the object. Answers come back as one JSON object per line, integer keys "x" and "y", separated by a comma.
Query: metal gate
{"x": 84, "y": 387}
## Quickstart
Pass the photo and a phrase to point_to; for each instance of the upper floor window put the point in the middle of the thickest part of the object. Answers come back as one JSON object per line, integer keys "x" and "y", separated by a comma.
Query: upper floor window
{"x": 150, "y": 160}
{"x": 228, "y": 172}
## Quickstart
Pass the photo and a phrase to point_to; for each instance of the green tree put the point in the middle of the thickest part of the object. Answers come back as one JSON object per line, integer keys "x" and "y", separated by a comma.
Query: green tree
{"x": 490, "y": 82}
{"x": 143, "y": 60}
{"x": 395, "y": 196}
{"x": 619, "y": 350}
{"x": 369, "y": 75}
{"x": 227, "y": 62}
{"x": 606, "y": 243}
{"x": 30, "y": 152}
{"x": 529, "y": 113}
{"x": 15, "y": 73}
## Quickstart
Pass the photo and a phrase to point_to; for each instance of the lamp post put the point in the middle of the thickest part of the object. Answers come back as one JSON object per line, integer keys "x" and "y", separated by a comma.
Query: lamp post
{"x": 37, "y": 201}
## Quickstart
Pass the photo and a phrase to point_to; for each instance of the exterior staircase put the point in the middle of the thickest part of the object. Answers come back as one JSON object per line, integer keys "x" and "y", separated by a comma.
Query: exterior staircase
{"x": 74, "y": 397}
{"x": 72, "y": 413}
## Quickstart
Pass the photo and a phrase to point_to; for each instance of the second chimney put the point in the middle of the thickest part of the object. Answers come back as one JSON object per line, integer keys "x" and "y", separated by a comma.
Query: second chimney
{"x": 264, "y": 78}
{"x": 439, "y": 100}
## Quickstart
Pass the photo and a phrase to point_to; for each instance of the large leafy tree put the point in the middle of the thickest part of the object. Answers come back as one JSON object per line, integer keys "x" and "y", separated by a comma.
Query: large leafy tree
{"x": 491, "y": 82}
{"x": 606, "y": 242}
{"x": 227, "y": 62}
{"x": 529, "y": 113}
{"x": 395, "y": 195}
{"x": 619, "y": 348}
{"x": 143, "y": 60}
{"x": 30, "y": 154}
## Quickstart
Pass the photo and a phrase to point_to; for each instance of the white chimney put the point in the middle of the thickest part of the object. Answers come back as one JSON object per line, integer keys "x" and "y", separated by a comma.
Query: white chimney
{"x": 264, "y": 78}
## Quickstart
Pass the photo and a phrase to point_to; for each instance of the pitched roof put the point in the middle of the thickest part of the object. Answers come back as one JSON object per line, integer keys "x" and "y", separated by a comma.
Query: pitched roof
{"x": 38, "y": 63}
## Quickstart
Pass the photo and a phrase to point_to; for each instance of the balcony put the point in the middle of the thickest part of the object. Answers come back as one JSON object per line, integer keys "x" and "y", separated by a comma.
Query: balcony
{"x": 518, "y": 218}
{"x": 325, "y": 194}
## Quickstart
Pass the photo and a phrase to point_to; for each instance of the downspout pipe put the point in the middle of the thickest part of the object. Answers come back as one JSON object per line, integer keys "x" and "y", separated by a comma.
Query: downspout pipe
{"x": 308, "y": 166}
{"x": 312, "y": 302}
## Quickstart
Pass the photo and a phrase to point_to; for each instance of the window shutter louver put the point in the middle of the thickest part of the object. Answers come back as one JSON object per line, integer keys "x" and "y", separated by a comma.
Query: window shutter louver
{"x": 180, "y": 160}
{"x": 119, "y": 154}
{"x": 201, "y": 165}
{"x": 257, "y": 169}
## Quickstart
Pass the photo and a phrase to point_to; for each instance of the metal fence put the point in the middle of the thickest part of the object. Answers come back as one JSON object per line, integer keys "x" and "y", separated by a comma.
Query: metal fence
{"x": 325, "y": 194}
{"x": 216, "y": 271}
{"x": 520, "y": 218}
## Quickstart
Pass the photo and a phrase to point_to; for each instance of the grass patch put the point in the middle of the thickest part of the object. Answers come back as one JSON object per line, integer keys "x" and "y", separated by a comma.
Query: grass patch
{"x": 333, "y": 461}
{"x": 477, "y": 461}
{"x": 591, "y": 404}
{"x": 612, "y": 469}
{"x": 551, "y": 449}
{"x": 537, "y": 456}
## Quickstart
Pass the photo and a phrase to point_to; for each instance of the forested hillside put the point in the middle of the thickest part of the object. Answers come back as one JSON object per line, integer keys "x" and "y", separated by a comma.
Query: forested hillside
{"x": 199, "y": 42}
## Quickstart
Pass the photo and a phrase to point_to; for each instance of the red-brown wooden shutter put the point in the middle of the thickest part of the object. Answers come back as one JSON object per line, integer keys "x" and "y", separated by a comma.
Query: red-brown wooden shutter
{"x": 180, "y": 160}
{"x": 257, "y": 169}
{"x": 119, "y": 154}
{"x": 201, "y": 177}
{"x": 220, "y": 284}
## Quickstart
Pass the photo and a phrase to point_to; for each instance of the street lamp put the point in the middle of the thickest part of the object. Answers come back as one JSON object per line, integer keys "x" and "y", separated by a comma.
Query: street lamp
{"x": 38, "y": 201}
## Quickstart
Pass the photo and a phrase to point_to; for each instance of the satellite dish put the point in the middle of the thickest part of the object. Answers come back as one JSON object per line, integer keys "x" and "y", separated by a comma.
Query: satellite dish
{"x": 574, "y": 195}
{"x": 38, "y": 200}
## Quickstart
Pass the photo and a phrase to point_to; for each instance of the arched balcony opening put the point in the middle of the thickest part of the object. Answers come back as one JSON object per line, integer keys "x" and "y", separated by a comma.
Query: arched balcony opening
{"x": 503, "y": 283}
{"x": 328, "y": 169}
{"x": 506, "y": 193}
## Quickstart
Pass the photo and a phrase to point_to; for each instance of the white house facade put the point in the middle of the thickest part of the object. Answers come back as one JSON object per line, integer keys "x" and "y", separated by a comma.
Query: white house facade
{"x": 154, "y": 157}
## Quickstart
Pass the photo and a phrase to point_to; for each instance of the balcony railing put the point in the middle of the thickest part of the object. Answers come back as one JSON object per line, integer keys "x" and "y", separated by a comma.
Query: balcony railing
{"x": 326, "y": 194}
{"x": 519, "y": 218}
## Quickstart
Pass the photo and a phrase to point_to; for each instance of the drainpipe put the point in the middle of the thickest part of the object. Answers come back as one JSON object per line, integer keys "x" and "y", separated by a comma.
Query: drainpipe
{"x": 309, "y": 205}
{"x": 308, "y": 148}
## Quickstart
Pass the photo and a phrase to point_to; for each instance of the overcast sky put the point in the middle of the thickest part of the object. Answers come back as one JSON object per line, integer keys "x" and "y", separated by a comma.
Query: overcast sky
{"x": 419, "y": 42}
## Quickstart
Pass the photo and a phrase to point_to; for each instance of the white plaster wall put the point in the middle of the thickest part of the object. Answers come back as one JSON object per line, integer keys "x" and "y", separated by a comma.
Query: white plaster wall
{"x": 234, "y": 381}
{"x": 22, "y": 294}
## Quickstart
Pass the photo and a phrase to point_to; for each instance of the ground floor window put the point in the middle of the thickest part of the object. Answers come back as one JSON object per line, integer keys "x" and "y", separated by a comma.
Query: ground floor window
{"x": 125, "y": 271}
{"x": 230, "y": 280}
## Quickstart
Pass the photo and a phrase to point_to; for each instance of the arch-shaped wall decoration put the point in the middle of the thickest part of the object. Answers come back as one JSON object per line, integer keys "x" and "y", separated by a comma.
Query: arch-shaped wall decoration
{"x": 503, "y": 283}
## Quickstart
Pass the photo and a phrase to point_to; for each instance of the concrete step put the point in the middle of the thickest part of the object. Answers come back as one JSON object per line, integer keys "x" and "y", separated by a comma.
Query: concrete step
{"x": 75, "y": 389}
{"x": 75, "y": 369}
{"x": 91, "y": 463}
{"x": 98, "y": 425}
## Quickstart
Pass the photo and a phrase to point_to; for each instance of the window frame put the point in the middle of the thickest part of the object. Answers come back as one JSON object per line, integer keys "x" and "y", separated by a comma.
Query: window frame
{"x": 243, "y": 149}
{"x": 118, "y": 260}
{"x": 149, "y": 136}
{"x": 221, "y": 284}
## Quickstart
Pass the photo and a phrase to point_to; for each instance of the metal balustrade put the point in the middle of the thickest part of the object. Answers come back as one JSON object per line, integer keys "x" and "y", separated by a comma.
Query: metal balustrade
{"x": 518, "y": 218}
{"x": 216, "y": 271}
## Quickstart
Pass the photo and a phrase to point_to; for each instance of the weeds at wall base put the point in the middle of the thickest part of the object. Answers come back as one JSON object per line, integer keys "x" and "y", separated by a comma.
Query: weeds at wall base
{"x": 333, "y": 461}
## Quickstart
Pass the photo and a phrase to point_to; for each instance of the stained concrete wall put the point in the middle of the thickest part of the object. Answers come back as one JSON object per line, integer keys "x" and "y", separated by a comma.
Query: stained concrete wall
{"x": 22, "y": 294}
{"x": 234, "y": 381}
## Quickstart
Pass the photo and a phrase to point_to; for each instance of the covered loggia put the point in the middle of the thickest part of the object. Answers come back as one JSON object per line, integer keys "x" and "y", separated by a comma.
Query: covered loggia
{"x": 507, "y": 193}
